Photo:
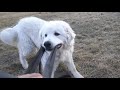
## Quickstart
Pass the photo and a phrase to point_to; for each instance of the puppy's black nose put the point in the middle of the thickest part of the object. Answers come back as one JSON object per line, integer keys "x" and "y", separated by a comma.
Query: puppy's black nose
{"x": 47, "y": 45}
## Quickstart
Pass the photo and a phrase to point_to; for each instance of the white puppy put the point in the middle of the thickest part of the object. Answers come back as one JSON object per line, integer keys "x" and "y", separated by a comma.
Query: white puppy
{"x": 30, "y": 33}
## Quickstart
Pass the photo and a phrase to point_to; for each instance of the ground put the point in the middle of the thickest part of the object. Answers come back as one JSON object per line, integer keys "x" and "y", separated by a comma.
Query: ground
{"x": 97, "y": 44}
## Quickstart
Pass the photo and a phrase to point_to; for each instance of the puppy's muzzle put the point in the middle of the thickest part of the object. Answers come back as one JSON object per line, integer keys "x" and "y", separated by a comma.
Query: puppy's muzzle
{"x": 49, "y": 47}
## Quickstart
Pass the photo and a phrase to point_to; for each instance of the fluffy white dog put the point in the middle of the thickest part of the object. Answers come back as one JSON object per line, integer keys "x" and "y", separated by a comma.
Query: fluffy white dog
{"x": 30, "y": 33}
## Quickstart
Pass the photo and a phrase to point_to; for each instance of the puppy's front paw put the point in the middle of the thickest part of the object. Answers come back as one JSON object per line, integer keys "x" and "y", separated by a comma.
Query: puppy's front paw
{"x": 25, "y": 66}
{"x": 81, "y": 76}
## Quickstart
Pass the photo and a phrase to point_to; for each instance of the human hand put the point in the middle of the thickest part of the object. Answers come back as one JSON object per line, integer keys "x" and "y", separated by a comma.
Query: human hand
{"x": 33, "y": 75}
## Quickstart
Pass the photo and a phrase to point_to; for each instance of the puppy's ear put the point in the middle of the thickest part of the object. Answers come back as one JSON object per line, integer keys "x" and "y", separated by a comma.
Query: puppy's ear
{"x": 70, "y": 33}
{"x": 40, "y": 35}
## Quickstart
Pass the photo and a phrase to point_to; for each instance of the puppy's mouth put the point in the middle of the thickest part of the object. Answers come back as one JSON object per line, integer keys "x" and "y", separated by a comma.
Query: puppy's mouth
{"x": 57, "y": 46}
{"x": 48, "y": 49}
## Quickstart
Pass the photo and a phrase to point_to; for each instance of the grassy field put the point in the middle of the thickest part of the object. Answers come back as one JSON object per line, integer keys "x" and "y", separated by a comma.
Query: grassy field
{"x": 97, "y": 47}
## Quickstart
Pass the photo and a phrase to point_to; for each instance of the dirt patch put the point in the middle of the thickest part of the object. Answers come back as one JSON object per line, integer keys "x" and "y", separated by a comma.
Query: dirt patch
{"x": 97, "y": 47}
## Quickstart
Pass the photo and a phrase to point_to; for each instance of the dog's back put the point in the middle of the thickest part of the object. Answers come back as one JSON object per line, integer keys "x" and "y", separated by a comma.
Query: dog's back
{"x": 28, "y": 26}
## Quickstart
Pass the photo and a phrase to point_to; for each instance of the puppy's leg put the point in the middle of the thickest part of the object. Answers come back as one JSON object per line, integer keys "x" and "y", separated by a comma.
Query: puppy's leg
{"x": 71, "y": 66}
{"x": 26, "y": 49}
{"x": 23, "y": 60}
{"x": 26, "y": 53}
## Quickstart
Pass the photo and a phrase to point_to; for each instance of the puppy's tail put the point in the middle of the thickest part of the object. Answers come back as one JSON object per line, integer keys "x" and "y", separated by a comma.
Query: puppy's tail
{"x": 9, "y": 36}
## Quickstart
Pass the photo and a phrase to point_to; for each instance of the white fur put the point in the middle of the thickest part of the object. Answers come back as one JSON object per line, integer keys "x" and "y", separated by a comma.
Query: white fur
{"x": 28, "y": 35}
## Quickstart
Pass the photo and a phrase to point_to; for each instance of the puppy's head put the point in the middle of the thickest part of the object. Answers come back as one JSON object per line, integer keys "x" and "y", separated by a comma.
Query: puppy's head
{"x": 56, "y": 33}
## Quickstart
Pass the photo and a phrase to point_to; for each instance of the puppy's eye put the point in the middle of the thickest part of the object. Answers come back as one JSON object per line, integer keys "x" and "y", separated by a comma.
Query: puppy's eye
{"x": 56, "y": 34}
{"x": 45, "y": 35}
